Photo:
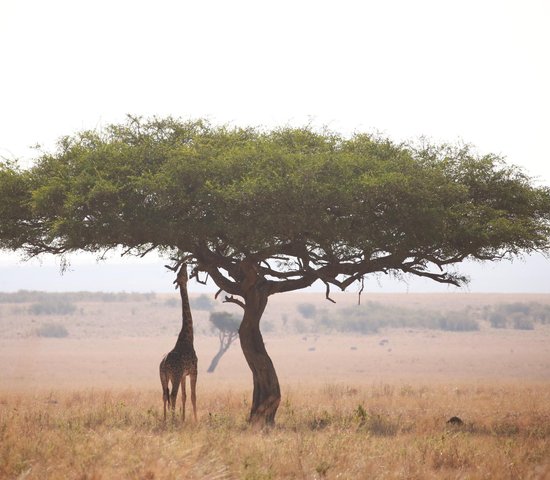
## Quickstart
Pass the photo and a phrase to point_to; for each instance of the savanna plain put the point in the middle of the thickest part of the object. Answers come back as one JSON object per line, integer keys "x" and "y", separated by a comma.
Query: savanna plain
{"x": 367, "y": 391}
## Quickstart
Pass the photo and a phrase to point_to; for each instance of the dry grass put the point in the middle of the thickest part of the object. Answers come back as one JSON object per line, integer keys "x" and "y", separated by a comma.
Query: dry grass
{"x": 334, "y": 431}
{"x": 380, "y": 415}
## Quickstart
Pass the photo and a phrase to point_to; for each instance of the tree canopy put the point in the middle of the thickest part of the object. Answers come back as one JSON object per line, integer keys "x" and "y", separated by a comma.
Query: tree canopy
{"x": 321, "y": 204}
{"x": 268, "y": 211}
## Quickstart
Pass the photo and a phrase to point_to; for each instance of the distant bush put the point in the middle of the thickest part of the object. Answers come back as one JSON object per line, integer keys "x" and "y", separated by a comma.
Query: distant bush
{"x": 52, "y": 330}
{"x": 29, "y": 296}
{"x": 267, "y": 326}
{"x": 307, "y": 310}
{"x": 512, "y": 308}
{"x": 458, "y": 323}
{"x": 300, "y": 326}
{"x": 521, "y": 316}
{"x": 202, "y": 302}
{"x": 225, "y": 321}
{"x": 172, "y": 302}
{"x": 114, "y": 297}
{"x": 52, "y": 307}
{"x": 522, "y": 322}
{"x": 497, "y": 320}
{"x": 355, "y": 324}
{"x": 370, "y": 318}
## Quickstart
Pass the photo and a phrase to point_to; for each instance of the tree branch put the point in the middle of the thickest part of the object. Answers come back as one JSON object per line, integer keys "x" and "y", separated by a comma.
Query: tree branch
{"x": 150, "y": 249}
{"x": 210, "y": 262}
{"x": 282, "y": 274}
{"x": 232, "y": 299}
{"x": 361, "y": 290}
{"x": 438, "y": 277}
{"x": 221, "y": 281}
{"x": 195, "y": 274}
{"x": 290, "y": 285}
{"x": 327, "y": 294}
{"x": 39, "y": 247}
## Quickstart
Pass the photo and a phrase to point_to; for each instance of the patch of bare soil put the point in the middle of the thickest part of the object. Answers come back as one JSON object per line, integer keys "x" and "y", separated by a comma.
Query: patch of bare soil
{"x": 400, "y": 356}
{"x": 120, "y": 345}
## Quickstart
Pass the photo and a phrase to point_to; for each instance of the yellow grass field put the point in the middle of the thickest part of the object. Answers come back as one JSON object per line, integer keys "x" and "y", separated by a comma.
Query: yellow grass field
{"x": 89, "y": 406}
{"x": 334, "y": 431}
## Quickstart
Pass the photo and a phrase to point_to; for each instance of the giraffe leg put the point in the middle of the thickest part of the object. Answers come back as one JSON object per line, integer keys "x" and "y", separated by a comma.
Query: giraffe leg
{"x": 165, "y": 398}
{"x": 164, "y": 384}
{"x": 183, "y": 398}
{"x": 193, "y": 382}
{"x": 174, "y": 394}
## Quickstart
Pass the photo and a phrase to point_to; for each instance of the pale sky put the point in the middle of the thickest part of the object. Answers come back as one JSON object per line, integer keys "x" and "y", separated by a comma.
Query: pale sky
{"x": 472, "y": 71}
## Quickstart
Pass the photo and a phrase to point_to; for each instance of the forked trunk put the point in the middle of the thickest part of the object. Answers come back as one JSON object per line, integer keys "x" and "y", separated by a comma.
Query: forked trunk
{"x": 267, "y": 394}
{"x": 225, "y": 343}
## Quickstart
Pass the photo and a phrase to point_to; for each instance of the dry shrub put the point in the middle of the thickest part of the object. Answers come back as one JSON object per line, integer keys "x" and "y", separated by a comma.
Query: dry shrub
{"x": 52, "y": 330}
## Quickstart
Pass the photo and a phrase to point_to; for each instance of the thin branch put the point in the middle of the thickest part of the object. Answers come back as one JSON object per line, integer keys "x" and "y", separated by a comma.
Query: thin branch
{"x": 103, "y": 255}
{"x": 440, "y": 262}
{"x": 127, "y": 251}
{"x": 355, "y": 272}
{"x": 282, "y": 275}
{"x": 361, "y": 290}
{"x": 150, "y": 249}
{"x": 195, "y": 274}
{"x": 217, "y": 293}
{"x": 293, "y": 284}
{"x": 232, "y": 299}
{"x": 438, "y": 277}
{"x": 327, "y": 295}
{"x": 40, "y": 247}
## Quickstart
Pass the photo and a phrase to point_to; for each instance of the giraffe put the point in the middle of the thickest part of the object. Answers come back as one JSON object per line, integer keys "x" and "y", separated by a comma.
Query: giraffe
{"x": 181, "y": 361}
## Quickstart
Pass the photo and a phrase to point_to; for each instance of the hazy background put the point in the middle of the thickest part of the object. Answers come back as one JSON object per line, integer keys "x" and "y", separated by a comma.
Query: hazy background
{"x": 471, "y": 71}
{"x": 522, "y": 276}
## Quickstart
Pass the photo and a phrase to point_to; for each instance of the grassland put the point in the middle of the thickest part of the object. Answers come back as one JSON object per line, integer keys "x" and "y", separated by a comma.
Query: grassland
{"x": 88, "y": 405}
{"x": 333, "y": 431}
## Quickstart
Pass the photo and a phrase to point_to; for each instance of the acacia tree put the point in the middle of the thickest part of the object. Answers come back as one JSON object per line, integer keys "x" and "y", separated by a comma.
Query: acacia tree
{"x": 227, "y": 326}
{"x": 266, "y": 212}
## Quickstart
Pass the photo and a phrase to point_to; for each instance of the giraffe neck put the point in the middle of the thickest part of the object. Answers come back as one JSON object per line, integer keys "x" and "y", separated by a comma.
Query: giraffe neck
{"x": 185, "y": 337}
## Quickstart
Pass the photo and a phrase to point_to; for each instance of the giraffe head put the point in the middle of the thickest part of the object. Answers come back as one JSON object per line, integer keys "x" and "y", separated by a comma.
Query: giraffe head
{"x": 182, "y": 277}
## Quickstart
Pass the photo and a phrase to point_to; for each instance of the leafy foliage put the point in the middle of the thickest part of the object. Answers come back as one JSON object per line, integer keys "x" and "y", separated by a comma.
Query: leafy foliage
{"x": 225, "y": 321}
{"x": 324, "y": 206}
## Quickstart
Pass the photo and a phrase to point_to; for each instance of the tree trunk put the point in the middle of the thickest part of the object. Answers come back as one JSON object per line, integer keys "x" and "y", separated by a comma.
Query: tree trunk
{"x": 215, "y": 360}
{"x": 267, "y": 393}
{"x": 225, "y": 343}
